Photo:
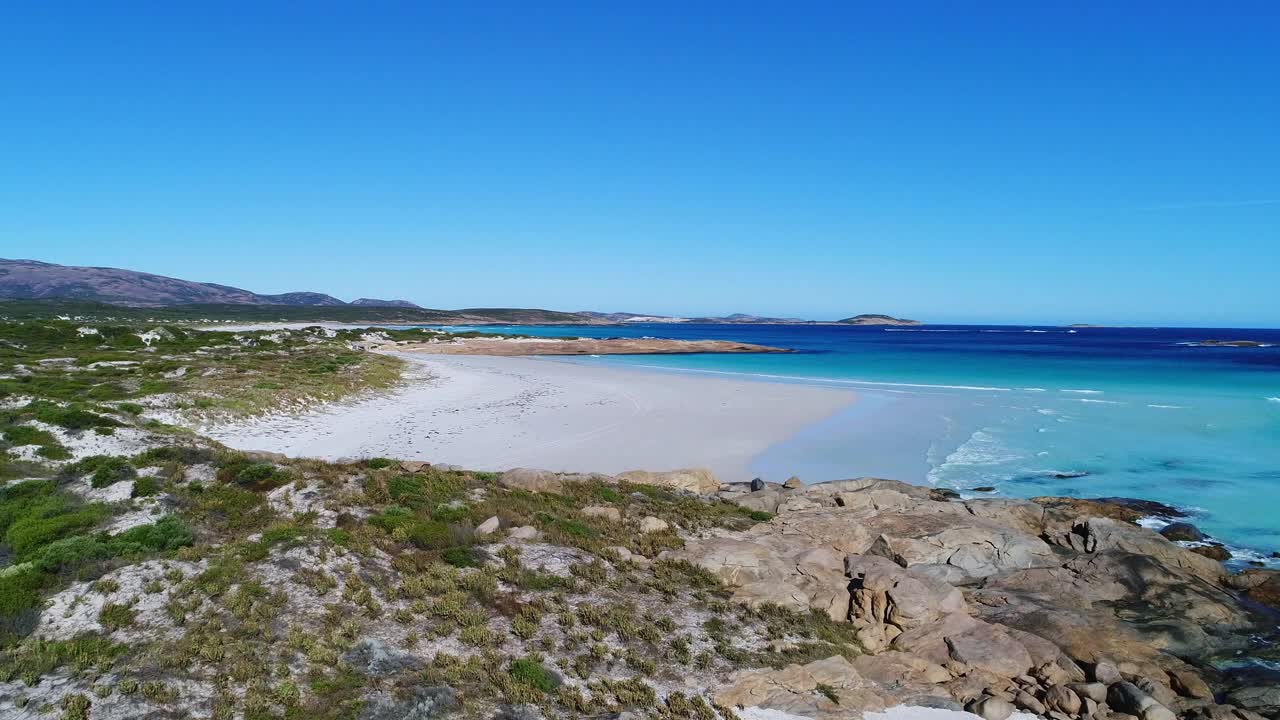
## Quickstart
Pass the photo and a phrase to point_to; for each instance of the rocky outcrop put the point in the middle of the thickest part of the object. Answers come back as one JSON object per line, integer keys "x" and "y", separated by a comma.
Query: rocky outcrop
{"x": 830, "y": 689}
{"x": 1066, "y": 609}
{"x": 698, "y": 481}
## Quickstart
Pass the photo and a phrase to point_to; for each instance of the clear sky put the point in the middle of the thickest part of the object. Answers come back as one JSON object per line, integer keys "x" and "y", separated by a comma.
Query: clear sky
{"x": 1016, "y": 162}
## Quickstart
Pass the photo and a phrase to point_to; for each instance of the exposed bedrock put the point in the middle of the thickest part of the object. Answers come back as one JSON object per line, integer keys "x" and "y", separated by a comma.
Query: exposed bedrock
{"x": 1063, "y": 608}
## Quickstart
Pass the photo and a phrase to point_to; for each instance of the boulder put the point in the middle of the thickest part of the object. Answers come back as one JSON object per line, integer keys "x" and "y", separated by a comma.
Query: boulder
{"x": 794, "y": 690}
{"x": 1028, "y": 702}
{"x": 414, "y": 466}
{"x": 1213, "y": 551}
{"x": 992, "y": 649}
{"x": 884, "y": 592}
{"x": 524, "y": 533}
{"x": 531, "y": 480}
{"x": 488, "y": 527}
{"x": 696, "y": 481}
{"x": 652, "y": 524}
{"x": 602, "y": 512}
{"x": 792, "y": 483}
{"x": 978, "y": 549}
{"x": 1182, "y": 531}
{"x": 793, "y": 574}
{"x": 1063, "y": 700}
{"x": 1260, "y": 586}
{"x": 1094, "y": 691}
{"x": 1106, "y": 672}
{"x": 757, "y": 485}
{"x": 1258, "y": 698}
{"x": 1128, "y": 698}
{"x": 1189, "y": 684}
{"x": 991, "y": 708}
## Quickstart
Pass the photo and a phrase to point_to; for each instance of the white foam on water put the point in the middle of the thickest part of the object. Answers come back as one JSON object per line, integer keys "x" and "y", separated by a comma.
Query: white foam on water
{"x": 1169, "y": 407}
{"x": 1100, "y": 402}
{"x": 1273, "y": 399}
{"x": 982, "y": 449}
{"x": 1046, "y": 411}
{"x": 1082, "y": 392}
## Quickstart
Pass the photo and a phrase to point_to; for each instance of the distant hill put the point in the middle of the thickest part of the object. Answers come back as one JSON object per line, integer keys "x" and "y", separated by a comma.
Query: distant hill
{"x": 872, "y": 319}
{"x": 33, "y": 280}
{"x": 34, "y": 288}
{"x": 373, "y": 302}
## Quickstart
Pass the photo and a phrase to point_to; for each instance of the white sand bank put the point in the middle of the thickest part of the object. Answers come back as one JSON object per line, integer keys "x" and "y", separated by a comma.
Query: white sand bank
{"x": 496, "y": 413}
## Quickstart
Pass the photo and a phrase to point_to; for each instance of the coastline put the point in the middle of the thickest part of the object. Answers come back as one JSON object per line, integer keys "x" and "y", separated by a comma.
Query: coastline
{"x": 497, "y": 413}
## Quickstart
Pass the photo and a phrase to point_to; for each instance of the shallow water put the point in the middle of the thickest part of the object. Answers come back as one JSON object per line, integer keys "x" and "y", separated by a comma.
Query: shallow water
{"x": 1138, "y": 412}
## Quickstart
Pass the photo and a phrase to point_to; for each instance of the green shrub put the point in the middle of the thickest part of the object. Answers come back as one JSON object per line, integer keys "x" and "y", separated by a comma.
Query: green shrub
{"x": 145, "y": 487}
{"x": 131, "y": 408}
{"x": 114, "y": 616}
{"x": 112, "y": 470}
{"x": 254, "y": 475}
{"x": 51, "y": 519}
{"x": 377, "y": 463}
{"x": 71, "y": 418}
{"x": 173, "y": 453}
{"x": 460, "y": 557}
{"x": 40, "y": 657}
{"x": 451, "y": 513}
{"x": 608, "y": 494}
{"x": 530, "y": 673}
{"x": 575, "y": 528}
{"x": 54, "y": 451}
{"x": 760, "y": 515}
{"x": 27, "y": 435}
{"x": 164, "y": 535}
{"x": 19, "y": 596}
{"x": 430, "y": 535}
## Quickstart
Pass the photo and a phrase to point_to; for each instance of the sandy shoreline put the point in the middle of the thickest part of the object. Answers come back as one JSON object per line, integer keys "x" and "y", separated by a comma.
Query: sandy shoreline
{"x": 496, "y": 413}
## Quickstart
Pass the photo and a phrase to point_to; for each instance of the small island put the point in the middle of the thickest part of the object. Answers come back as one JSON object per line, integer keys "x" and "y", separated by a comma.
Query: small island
{"x": 873, "y": 319}
{"x": 1231, "y": 343}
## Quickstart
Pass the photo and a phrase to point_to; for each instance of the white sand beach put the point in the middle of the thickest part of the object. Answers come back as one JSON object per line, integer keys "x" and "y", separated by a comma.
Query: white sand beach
{"x": 496, "y": 413}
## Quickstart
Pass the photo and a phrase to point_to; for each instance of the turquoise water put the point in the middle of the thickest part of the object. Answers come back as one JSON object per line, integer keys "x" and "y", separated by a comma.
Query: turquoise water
{"x": 1147, "y": 413}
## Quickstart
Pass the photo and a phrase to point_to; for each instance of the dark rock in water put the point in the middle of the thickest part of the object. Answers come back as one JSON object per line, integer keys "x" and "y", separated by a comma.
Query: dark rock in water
{"x": 1275, "y": 554}
{"x": 984, "y": 488}
{"x": 1070, "y": 474}
{"x": 757, "y": 485}
{"x": 1146, "y": 507}
{"x": 943, "y": 494}
{"x": 1182, "y": 531}
{"x": 1215, "y": 552}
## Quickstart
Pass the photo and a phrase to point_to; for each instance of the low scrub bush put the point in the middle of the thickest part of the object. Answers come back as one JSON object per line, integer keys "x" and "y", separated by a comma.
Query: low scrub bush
{"x": 111, "y": 470}
{"x": 530, "y": 673}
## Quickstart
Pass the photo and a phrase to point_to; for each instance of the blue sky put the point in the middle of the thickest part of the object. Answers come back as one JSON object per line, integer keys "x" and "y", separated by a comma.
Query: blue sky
{"x": 1020, "y": 162}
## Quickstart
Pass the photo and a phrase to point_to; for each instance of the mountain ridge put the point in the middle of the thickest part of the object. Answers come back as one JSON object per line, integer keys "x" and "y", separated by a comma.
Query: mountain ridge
{"x": 38, "y": 281}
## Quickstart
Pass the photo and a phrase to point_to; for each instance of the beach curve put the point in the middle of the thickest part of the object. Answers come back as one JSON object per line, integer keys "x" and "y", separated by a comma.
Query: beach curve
{"x": 496, "y": 413}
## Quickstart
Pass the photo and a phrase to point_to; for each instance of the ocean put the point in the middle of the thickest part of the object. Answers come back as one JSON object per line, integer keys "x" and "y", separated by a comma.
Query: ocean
{"x": 1152, "y": 413}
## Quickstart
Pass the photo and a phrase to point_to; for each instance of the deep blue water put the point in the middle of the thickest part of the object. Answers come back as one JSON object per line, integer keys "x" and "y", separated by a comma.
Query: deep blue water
{"x": 1137, "y": 412}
